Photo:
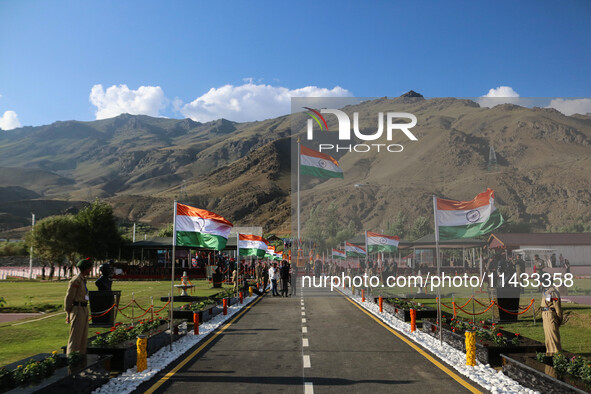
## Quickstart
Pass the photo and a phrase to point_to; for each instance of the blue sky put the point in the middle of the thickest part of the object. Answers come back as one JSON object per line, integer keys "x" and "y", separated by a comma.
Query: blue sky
{"x": 53, "y": 54}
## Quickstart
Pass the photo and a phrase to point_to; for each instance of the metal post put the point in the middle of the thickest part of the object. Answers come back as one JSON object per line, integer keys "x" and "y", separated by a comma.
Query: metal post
{"x": 132, "y": 307}
{"x": 473, "y": 310}
{"x": 533, "y": 312}
{"x": 170, "y": 298}
{"x": 31, "y": 249}
{"x": 438, "y": 269}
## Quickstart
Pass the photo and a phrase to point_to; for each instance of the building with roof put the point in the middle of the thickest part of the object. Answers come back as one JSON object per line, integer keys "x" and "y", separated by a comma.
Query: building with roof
{"x": 576, "y": 247}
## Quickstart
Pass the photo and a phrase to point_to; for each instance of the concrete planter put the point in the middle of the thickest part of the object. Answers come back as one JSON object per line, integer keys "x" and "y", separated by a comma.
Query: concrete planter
{"x": 531, "y": 373}
{"x": 84, "y": 377}
{"x": 125, "y": 353}
{"x": 487, "y": 352}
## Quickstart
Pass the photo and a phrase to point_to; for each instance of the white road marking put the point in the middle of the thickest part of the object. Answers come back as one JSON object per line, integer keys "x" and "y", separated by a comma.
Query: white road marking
{"x": 304, "y": 330}
{"x": 307, "y": 363}
{"x": 303, "y": 308}
{"x": 303, "y": 313}
{"x": 305, "y": 342}
{"x": 308, "y": 388}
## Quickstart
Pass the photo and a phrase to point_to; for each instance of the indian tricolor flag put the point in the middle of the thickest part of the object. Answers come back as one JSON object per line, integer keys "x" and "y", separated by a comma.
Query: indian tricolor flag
{"x": 338, "y": 254}
{"x": 199, "y": 228}
{"x": 318, "y": 164}
{"x": 352, "y": 250}
{"x": 252, "y": 245}
{"x": 382, "y": 243}
{"x": 467, "y": 219}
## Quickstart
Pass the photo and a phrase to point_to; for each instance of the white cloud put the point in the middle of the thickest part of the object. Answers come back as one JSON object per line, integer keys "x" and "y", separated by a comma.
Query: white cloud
{"x": 251, "y": 102}
{"x": 501, "y": 95}
{"x": 9, "y": 121}
{"x": 146, "y": 100}
{"x": 572, "y": 106}
{"x": 502, "y": 91}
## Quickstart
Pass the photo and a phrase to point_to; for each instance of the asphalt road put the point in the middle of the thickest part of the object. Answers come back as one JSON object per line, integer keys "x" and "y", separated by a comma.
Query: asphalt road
{"x": 321, "y": 343}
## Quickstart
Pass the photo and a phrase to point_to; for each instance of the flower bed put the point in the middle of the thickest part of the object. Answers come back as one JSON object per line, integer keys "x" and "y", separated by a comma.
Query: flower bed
{"x": 205, "y": 309}
{"x": 121, "y": 342}
{"x": 549, "y": 375}
{"x": 53, "y": 373}
{"x": 490, "y": 343}
{"x": 400, "y": 308}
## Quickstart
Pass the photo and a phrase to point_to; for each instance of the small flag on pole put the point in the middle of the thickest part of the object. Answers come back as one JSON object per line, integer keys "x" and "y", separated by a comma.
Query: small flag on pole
{"x": 200, "y": 228}
{"x": 381, "y": 243}
{"x": 467, "y": 219}
{"x": 318, "y": 164}
{"x": 338, "y": 254}
{"x": 354, "y": 251}
{"x": 252, "y": 245}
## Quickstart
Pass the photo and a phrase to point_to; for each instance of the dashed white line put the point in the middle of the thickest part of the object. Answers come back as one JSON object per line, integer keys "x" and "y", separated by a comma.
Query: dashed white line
{"x": 308, "y": 388}
{"x": 307, "y": 363}
{"x": 303, "y": 320}
{"x": 303, "y": 313}
{"x": 303, "y": 308}
{"x": 305, "y": 342}
{"x": 304, "y": 330}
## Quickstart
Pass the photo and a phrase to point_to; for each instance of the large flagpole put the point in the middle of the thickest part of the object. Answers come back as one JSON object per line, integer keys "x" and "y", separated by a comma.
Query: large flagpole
{"x": 172, "y": 276}
{"x": 237, "y": 257}
{"x": 366, "y": 251}
{"x": 298, "y": 199}
{"x": 438, "y": 270}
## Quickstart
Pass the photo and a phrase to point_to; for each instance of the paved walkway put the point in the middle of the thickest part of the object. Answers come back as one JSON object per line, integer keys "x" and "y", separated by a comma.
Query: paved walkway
{"x": 321, "y": 343}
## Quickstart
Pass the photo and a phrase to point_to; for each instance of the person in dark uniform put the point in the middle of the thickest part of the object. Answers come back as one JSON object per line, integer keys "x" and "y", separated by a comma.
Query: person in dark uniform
{"x": 104, "y": 281}
{"x": 76, "y": 307}
{"x": 284, "y": 273}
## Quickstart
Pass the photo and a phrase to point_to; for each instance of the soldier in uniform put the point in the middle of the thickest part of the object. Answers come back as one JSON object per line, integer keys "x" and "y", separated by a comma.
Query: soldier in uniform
{"x": 76, "y": 306}
{"x": 552, "y": 318}
{"x": 540, "y": 265}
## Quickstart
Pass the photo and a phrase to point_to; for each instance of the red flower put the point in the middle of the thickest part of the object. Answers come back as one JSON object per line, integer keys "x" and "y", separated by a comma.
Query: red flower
{"x": 112, "y": 329}
{"x": 97, "y": 333}
{"x": 485, "y": 327}
{"x": 452, "y": 319}
{"x": 516, "y": 334}
{"x": 494, "y": 324}
{"x": 481, "y": 321}
{"x": 499, "y": 334}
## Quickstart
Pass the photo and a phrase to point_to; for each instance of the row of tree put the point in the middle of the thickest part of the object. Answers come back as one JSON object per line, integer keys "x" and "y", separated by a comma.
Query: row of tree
{"x": 92, "y": 232}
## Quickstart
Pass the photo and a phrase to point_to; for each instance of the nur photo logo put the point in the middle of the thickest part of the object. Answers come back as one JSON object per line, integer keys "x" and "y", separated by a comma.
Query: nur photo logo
{"x": 344, "y": 133}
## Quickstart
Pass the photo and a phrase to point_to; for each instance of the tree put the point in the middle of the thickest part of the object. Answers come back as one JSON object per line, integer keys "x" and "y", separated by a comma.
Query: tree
{"x": 54, "y": 238}
{"x": 313, "y": 229}
{"x": 98, "y": 237}
{"x": 420, "y": 228}
{"x": 166, "y": 231}
{"x": 398, "y": 227}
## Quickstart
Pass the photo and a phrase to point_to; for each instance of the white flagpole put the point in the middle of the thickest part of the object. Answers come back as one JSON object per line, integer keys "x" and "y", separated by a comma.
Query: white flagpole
{"x": 298, "y": 197}
{"x": 438, "y": 270}
{"x": 366, "y": 251}
{"x": 237, "y": 257}
{"x": 31, "y": 249}
{"x": 172, "y": 275}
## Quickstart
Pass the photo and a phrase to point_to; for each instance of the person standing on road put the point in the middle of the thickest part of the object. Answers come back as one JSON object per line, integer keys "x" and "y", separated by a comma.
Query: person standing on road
{"x": 274, "y": 276}
{"x": 76, "y": 307}
{"x": 284, "y": 273}
{"x": 294, "y": 278}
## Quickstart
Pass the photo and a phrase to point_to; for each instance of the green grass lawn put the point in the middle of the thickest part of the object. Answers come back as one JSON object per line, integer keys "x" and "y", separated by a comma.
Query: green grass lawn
{"x": 51, "y": 333}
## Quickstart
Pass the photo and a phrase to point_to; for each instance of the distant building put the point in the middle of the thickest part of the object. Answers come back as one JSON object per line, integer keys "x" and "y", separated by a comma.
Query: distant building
{"x": 576, "y": 247}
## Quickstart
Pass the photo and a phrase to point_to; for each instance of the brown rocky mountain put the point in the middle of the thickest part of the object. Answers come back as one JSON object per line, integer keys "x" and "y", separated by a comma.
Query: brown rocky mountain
{"x": 242, "y": 170}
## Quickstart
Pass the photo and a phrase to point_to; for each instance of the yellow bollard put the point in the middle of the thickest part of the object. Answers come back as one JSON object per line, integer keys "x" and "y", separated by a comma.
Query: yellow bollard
{"x": 471, "y": 348}
{"x": 250, "y": 291}
{"x": 142, "y": 353}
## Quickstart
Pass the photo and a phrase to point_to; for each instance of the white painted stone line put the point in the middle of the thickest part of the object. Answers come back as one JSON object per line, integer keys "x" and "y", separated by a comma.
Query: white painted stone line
{"x": 304, "y": 330}
{"x": 303, "y": 320}
{"x": 308, "y": 388}
{"x": 305, "y": 342}
{"x": 307, "y": 363}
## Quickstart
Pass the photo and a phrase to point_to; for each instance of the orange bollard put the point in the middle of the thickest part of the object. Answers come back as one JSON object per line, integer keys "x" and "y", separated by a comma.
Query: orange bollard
{"x": 380, "y": 303}
{"x": 196, "y": 323}
{"x": 241, "y": 297}
{"x": 362, "y": 295}
{"x": 413, "y": 320}
{"x": 225, "y": 306}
